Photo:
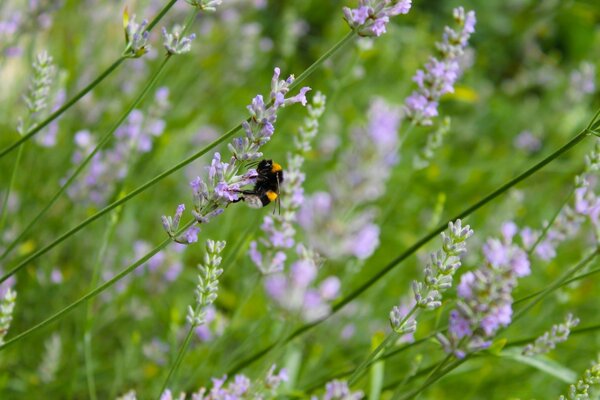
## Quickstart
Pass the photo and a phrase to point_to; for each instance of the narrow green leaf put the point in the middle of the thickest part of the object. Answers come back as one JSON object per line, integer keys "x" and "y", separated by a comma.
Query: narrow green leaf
{"x": 541, "y": 363}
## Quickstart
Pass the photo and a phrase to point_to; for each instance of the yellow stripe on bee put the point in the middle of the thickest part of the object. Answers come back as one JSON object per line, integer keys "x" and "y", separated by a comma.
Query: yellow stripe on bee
{"x": 272, "y": 195}
{"x": 276, "y": 167}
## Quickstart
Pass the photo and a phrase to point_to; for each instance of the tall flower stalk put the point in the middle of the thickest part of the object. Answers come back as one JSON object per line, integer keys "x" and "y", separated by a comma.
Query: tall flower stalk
{"x": 441, "y": 72}
{"x": 485, "y": 295}
{"x": 206, "y": 294}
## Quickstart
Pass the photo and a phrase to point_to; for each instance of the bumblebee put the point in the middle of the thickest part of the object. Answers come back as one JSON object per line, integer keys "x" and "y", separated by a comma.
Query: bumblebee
{"x": 266, "y": 188}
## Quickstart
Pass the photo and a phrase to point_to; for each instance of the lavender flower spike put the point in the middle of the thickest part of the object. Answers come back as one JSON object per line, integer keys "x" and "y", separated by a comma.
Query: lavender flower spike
{"x": 208, "y": 282}
{"x": 438, "y": 276}
{"x": 339, "y": 390}
{"x": 205, "y": 5}
{"x": 581, "y": 390}
{"x": 7, "y": 306}
{"x": 223, "y": 184}
{"x": 136, "y": 36}
{"x": 441, "y": 73}
{"x": 372, "y": 16}
{"x": 547, "y": 342}
{"x": 485, "y": 295}
{"x": 175, "y": 42}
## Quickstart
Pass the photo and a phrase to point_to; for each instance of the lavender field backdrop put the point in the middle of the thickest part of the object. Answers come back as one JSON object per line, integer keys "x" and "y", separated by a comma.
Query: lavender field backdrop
{"x": 259, "y": 199}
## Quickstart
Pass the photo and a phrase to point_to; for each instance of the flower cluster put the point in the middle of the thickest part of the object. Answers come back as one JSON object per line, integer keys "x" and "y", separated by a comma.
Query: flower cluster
{"x": 485, "y": 295}
{"x": 260, "y": 128}
{"x": 372, "y": 16}
{"x": 205, "y": 5}
{"x": 240, "y": 388}
{"x": 39, "y": 89}
{"x": 224, "y": 185}
{"x": 335, "y": 227}
{"x": 136, "y": 36}
{"x": 208, "y": 282}
{"x": 441, "y": 73}
{"x": 339, "y": 390}
{"x": 8, "y": 299}
{"x": 51, "y": 359}
{"x": 438, "y": 276}
{"x": 548, "y": 341}
{"x": 175, "y": 42}
{"x": 581, "y": 390}
{"x": 111, "y": 166}
{"x": 280, "y": 228}
{"x": 295, "y": 291}
{"x": 47, "y": 137}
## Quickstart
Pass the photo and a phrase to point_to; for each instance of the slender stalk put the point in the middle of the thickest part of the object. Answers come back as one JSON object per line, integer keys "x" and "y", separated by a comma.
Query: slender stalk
{"x": 564, "y": 283}
{"x": 178, "y": 360}
{"x": 550, "y": 223}
{"x": 434, "y": 379}
{"x": 307, "y": 72}
{"x": 381, "y": 348}
{"x": 63, "y": 108}
{"x": 83, "y": 91}
{"x": 366, "y": 362}
{"x": 558, "y": 283}
{"x": 11, "y": 184}
{"x": 94, "y": 292}
{"x": 104, "y": 140}
{"x": 412, "y": 249}
{"x": 158, "y": 178}
{"x": 89, "y": 320}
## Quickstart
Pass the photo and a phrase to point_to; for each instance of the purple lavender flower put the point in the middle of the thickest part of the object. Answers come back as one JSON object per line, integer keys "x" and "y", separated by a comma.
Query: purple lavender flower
{"x": 295, "y": 292}
{"x": 336, "y": 228}
{"x": 110, "y": 166}
{"x": 242, "y": 387}
{"x": 224, "y": 185}
{"x": 372, "y": 16}
{"x": 485, "y": 295}
{"x": 439, "y": 75}
{"x": 280, "y": 228}
{"x": 528, "y": 142}
{"x": 438, "y": 278}
{"x": 339, "y": 390}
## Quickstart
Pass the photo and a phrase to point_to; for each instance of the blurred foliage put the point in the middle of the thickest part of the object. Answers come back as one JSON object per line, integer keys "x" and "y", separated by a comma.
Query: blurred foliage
{"x": 523, "y": 52}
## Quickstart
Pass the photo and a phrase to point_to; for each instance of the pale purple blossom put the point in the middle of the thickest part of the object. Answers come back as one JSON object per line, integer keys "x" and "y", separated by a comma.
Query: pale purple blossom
{"x": 440, "y": 74}
{"x": 108, "y": 167}
{"x": 371, "y": 16}
{"x": 335, "y": 227}
{"x": 485, "y": 295}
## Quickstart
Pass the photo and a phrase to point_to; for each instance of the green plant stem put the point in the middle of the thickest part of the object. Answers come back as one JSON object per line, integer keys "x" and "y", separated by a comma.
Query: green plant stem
{"x": 434, "y": 379}
{"x": 550, "y": 223}
{"x": 366, "y": 362}
{"x": 178, "y": 360}
{"x": 13, "y": 178}
{"x": 158, "y": 178}
{"x": 104, "y": 140}
{"x": 83, "y": 91}
{"x": 564, "y": 283}
{"x": 89, "y": 320}
{"x": 558, "y": 283}
{"x": 63, "y": 108}
{"x": 381, "y": 348}
{"x": 94, "y": 292}
{"x": 412, "y": 249}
